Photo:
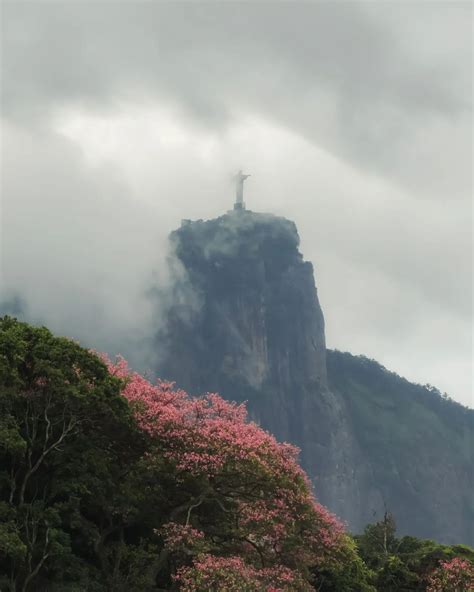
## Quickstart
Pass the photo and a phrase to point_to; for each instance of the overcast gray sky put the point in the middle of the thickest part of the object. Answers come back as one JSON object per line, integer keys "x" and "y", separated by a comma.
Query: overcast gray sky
{"x": 354, "y": 119}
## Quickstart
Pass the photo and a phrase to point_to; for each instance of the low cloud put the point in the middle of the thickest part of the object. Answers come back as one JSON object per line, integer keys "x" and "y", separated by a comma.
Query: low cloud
{"x": 121, "y": 119}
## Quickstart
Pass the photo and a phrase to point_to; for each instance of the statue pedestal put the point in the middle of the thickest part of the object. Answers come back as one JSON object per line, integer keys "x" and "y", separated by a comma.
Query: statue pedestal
{"x": 239, "y": 205}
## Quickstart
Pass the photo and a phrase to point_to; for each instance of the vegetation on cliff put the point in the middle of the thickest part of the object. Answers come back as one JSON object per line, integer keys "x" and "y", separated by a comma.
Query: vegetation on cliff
{"x": 417, "y": 443}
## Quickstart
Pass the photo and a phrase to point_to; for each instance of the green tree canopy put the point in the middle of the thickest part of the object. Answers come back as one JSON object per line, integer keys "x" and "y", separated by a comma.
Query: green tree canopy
{"x": 67, "y": 437}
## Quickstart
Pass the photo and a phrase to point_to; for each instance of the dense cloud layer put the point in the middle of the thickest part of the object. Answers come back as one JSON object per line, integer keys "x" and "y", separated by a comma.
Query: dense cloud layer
{"x": 354, "y": 120}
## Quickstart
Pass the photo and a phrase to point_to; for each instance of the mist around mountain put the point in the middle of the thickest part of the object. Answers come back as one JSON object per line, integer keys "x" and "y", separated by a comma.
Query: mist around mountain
{"x": 245, "y": 321}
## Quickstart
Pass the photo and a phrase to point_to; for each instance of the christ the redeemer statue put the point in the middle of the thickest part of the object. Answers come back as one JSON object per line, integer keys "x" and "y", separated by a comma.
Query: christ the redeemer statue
{"x": 239, "y": 190}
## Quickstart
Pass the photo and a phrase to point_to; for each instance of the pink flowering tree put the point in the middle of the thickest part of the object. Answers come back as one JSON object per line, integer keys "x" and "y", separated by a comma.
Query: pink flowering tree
{"x": 236, "y": 510}
{"x": 454, "y": 575}
{"x": 209, "y": 573}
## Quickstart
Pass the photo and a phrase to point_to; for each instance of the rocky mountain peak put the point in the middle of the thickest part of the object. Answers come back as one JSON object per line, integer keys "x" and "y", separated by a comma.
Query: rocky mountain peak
{"x": 245, "y": 321}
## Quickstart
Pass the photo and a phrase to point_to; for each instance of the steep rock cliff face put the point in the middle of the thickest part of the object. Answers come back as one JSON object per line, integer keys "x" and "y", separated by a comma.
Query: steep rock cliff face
{"x": 246, "y": 322}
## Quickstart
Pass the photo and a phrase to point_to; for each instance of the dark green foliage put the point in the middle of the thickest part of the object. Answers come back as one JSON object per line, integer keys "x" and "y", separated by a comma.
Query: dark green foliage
{"x": 403, "y": 564}
{"x": 351, "y": 574}
{"x": 67, "y": 439}
{"x": 378, "y": 542}
{"x": 386, "y": 563}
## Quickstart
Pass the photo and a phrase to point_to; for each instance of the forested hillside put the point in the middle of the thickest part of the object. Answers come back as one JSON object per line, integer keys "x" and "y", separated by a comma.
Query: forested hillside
{"x": 418, "y": 443}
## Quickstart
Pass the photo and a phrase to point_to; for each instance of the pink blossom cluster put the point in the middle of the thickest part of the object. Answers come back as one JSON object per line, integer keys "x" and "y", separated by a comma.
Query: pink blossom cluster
{"x": 252, "y": 483}
{"x": 454, "y": 575}
{"x": 232, "y": 574}
{"x": 203, "y": 434}
{"x": 179, "y": 536}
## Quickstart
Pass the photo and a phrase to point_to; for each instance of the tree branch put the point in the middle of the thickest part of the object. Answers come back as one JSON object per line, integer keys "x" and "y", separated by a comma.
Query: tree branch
{"x": 40, "y": 563}
{"x": 46, "y": 450}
